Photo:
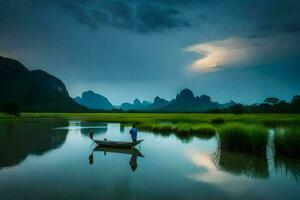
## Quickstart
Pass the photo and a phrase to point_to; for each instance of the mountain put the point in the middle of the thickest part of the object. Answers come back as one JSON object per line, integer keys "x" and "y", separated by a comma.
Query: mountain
{"x": 137, "y": 105}
{"x": 92, "y": 100}
{"x": 158, "y": 103}
{"x": 34, "y": 90}
{"x": 186, "y": 101}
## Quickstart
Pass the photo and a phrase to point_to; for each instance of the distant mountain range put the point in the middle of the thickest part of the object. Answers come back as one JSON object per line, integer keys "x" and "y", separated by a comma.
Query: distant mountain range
{"x": 185, "y": 101}
{"x": 92, "y": 100}
{"x": 39, "y": 91}
{"x": 34, "y": 90}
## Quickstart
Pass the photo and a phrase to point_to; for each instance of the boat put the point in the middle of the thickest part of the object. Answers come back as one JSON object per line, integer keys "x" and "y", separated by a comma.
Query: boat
{"x": 119, "y": 144}
{"x": 129, "y": 151}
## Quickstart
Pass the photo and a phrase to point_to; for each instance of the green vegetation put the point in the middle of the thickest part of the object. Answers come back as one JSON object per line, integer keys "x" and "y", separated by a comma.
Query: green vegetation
{"x": 239, "y": 137}
{"x": 287, "y": 141}
{"x": 11, "y": 108}
{"x": 218, "y": 120}
{"x": 268, "y": 119}
{"x": 183, "y": 129}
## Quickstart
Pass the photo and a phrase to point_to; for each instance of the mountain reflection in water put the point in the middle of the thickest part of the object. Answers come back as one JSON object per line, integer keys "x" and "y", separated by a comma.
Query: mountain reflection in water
{"x": 18, "y": 139}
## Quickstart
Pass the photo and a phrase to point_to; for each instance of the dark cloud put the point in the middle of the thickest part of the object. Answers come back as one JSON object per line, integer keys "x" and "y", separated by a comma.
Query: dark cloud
{"x": 77, "y": 10}
{"x": 286, "y": 27}
{"x": 290, "y": 27}
{"x": 143, "y": 18}
{"x": 153, "y": 18}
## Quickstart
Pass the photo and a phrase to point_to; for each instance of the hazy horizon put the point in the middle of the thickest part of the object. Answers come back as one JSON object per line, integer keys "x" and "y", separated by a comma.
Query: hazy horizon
{"x": 241, "y": 51}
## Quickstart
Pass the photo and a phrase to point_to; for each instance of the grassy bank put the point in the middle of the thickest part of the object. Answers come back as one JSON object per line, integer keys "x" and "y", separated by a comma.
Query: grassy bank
{"x": 287, "y": 141}
{"x": 240, "y": 137}
{"x": 267, "y": 119}
{"x": 184, "y": 129}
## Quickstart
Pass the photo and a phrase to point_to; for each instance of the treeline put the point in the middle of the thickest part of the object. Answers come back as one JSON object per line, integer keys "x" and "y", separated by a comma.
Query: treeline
{"x": 270, "y": 105}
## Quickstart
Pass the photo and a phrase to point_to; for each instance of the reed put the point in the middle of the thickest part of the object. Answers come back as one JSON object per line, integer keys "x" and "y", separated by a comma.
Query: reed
{"x": 239, "y": 137}
{"x": 287, "y": 141}
{"x": 182, "y": 129}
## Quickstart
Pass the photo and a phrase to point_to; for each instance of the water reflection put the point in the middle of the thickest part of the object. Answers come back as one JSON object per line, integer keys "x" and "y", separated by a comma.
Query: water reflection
{"x": 241, "y": 164}
{"x": 95, "y": 127}
{"x": 186, "y": 138}
{"x": 290, "y": 168}
{"x": 18, "y": 139}
{"x": 133, "y": 152}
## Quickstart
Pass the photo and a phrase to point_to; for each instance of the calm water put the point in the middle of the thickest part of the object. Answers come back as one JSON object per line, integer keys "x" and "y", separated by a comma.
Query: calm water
{"x": 47, "y": 159}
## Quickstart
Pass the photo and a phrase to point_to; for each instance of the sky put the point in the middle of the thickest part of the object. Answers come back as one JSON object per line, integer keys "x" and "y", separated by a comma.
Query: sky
{"x": 241, "y": 50}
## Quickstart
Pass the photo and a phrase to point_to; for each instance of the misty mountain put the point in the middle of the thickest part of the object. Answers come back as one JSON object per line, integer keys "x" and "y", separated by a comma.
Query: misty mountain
{"x": 186, "y": 101}
{"x": 158, "y": 103}
{"x": 34, "y": 90}
{"x": 136, "y": 105}
{"x": 92, "y": 100}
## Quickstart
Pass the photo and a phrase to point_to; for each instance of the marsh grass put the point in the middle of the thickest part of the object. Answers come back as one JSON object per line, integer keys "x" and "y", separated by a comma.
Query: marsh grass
{"x": 190, "y": 118}
{"x": 218, "y": 120}
{"x": 287, "y": 142}
{"x": 240, "y": 137}
{"x": 181, "y": 129}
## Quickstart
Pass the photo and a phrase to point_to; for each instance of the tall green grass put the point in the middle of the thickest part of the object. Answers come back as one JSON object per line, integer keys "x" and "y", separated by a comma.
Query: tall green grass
{"x": 240, "y": 137}
{"x": 287, "y": 142}
{"x": 182, "y": 129}
{"x": 269, "y": 119}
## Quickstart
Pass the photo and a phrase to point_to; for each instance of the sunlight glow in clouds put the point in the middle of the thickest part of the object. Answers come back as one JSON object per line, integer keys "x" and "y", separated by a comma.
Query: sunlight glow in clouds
{"x": 234, "y": 51}
{"x": 218, "y": 53}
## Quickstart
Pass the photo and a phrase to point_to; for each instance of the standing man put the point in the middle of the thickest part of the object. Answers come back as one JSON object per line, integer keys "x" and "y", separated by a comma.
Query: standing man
{"x": 133, "y": 133}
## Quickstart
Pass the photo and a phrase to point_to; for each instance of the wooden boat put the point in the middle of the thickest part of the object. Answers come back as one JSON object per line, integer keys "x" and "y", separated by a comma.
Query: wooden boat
{"x": 119, "y": 144}
{"x": 129, "y": 151}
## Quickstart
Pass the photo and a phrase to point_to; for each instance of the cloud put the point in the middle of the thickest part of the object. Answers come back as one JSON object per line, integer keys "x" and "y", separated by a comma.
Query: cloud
{"x": 155, "y": 18}
{"x": 285, "y": 27}
{"x": 143, "y": 17}
{"x": 239, "y": 52}
{"x": 77, "y": 10}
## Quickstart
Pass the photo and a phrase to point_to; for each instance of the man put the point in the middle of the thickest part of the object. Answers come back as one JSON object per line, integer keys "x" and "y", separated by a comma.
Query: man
{"x": 133, "y": 133}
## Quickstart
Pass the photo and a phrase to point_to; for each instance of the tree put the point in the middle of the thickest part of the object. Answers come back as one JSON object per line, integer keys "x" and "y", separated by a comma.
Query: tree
{"x": 296, "y": 104}
{"x": 236, "y": 109}
{"x": 271, "y": 101}
{"x": 11, "y": 109}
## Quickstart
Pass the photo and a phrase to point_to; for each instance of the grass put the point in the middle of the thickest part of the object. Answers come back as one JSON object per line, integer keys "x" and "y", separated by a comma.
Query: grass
{"x": 245, "y": 138}
{"x": 287, "y": 141}
{"x": 267, "y": 119}
{"x": 182, "y": 129}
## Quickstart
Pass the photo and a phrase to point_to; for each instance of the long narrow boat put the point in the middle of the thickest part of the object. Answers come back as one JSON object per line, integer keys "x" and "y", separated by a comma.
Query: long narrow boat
{"x": 118, "y": 144}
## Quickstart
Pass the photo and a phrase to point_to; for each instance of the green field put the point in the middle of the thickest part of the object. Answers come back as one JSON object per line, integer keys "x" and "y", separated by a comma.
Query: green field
{"x": 266, "y": 119}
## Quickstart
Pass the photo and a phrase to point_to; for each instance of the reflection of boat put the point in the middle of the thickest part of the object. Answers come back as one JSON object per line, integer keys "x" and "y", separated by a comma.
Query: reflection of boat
{"x": 115, "y": 144}
{"x": 132, "y": 151}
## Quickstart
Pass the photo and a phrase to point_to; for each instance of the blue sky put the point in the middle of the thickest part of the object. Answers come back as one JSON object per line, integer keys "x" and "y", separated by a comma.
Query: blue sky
{"x": 240, "y": 49}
